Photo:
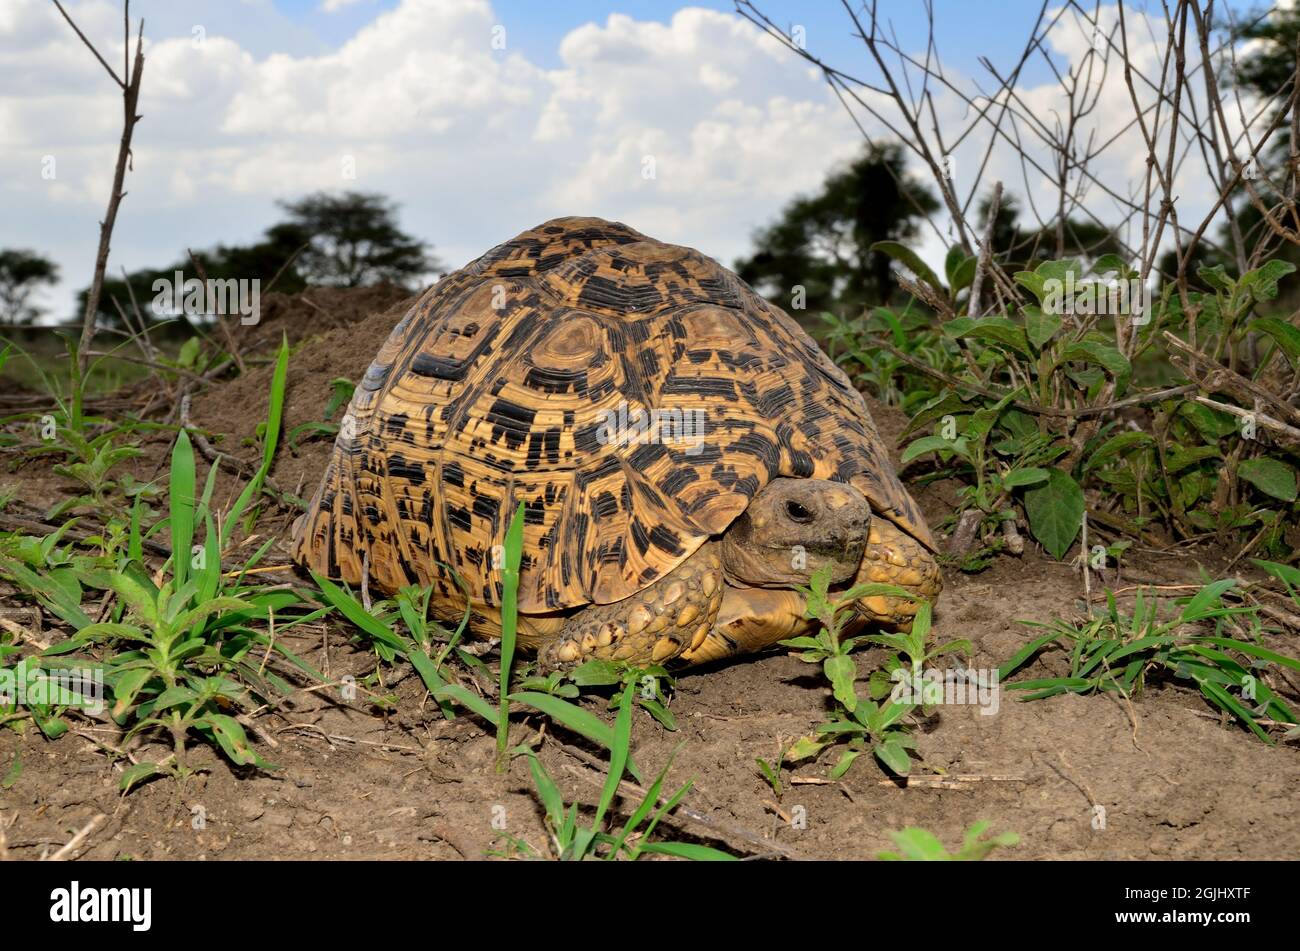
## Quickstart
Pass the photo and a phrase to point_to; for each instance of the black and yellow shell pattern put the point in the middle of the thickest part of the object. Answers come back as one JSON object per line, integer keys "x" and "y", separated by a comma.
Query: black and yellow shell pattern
{"x": 493, "y": 391}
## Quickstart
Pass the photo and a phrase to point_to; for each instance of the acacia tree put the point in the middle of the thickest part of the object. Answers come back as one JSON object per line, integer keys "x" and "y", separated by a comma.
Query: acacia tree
{"x": 21, "y": 272}
{"x": 353, "y": 239}
{"x": 347, "y": 240}
{"x": 823, "y": 242}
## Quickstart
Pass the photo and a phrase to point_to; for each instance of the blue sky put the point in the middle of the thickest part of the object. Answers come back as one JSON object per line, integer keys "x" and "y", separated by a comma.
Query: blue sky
{"x": 964, "y": 29}
{"x": 475, "y": 144}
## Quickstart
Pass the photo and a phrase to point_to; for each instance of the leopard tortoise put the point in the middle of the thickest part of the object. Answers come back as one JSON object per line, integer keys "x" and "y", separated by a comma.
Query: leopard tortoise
{"x": 683, "y": 451}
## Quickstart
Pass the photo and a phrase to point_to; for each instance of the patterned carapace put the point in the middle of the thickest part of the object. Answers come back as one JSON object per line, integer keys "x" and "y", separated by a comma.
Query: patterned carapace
{"x": 493, "y": 390}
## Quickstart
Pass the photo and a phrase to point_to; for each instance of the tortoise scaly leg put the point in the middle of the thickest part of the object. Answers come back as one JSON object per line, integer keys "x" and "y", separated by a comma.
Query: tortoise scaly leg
{"x": 673, "y": 615}
{"x": 894, "y": 557}
{"x": 750, "y": 620}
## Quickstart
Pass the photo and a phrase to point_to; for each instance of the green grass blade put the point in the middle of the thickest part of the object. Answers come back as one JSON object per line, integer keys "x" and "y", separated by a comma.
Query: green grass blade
{"x": 355, "y": 611}
{"x": 688, "y": 850}
{"x": 275, "y": 412}
{"x": 467, "y": 699}
{"x": 643, "y": 810}
{"x": 509, "y": 624}
{"x": 617, "y": 758}
{"x": 1254, "y": 650}
{"x": 1021, "y": 656}
{"x": 182, "y": 507}
{"x": 1221, "y": 698}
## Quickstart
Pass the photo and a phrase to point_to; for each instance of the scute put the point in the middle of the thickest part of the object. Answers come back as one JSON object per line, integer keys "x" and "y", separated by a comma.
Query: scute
{"x": 498, "y": 388}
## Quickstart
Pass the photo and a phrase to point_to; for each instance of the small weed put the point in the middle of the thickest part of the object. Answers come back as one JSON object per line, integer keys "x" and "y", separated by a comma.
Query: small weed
{"x": 572, "y": 841}
{"x": 921, "y": 845}
{"x": 1116, "y": 651}
{"x": 861, "y": 724}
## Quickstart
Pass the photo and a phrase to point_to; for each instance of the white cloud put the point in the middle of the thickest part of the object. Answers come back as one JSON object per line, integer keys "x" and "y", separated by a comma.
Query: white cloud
{"x": 476, "y": 143}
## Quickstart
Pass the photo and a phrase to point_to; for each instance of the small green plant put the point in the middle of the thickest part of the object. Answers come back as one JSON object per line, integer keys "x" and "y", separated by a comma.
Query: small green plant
{"x": 861, "y": 724}
{"x": 921, "y": 845}
{"x": 188, "y": 658}
{"x": 341, "y": 390}
{"x": 183, "y": 650}
{"x": 771, "y": 772}
{"x": 1116, "y": 651}
{"x": 1032, "y": 407}
{"x": 572, "y": 840}
{"x": 549, "y": 695}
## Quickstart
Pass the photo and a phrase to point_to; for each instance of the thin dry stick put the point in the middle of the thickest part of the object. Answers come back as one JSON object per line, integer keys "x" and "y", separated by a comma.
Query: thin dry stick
{"x": 77, "y": 840}
{"x": 986, "y": 251}
{"x": 130, "y": 86}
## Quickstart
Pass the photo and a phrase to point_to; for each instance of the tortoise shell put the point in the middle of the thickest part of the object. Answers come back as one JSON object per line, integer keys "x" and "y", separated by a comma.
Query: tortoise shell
{"x": 498, "y": 386}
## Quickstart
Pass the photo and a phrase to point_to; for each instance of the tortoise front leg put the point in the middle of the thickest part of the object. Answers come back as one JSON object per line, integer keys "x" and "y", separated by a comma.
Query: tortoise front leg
{"x": 750, "y": 620}
{"x": 673, "y": 615}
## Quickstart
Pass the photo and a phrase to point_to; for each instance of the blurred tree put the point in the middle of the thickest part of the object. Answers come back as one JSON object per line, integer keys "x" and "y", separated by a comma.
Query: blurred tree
{"x": 1268, "y": 61}
{"x": 347, "y": 240}
{"x": 1266, "y": 67}
{"x": 353, "y": 239}
{"x": 1021, "y": 249}
{"x": 21, "y": 272}
{"x": 823, "y": 242}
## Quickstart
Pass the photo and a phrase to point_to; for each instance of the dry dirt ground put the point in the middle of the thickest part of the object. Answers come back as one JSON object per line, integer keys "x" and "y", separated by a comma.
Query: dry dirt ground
{"x": 1076, "y": 777}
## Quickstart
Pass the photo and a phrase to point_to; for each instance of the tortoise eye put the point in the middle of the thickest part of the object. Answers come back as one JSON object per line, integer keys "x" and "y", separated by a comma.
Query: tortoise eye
{"x": 797, "y": 512}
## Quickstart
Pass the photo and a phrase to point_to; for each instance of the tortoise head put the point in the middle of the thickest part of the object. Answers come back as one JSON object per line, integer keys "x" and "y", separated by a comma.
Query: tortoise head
{"x": 794, "y": 527}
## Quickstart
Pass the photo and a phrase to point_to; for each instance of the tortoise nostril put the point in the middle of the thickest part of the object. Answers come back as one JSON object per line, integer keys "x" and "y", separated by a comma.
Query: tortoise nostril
{"x": 797, "y": 512}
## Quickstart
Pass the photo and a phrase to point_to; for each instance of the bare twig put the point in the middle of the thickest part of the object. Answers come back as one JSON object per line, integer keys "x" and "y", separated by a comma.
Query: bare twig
{"x": 130, "y": 86}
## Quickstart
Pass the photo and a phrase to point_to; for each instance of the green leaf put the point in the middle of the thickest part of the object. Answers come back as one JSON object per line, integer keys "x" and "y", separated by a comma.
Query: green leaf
{"x": 1103, "y": 355}
{"x": 1271, "y": 476}
{"x": 1228, "y": 702}
{"x": 1118, "y": 444}
{"x": 189, "y": 352}
{"x": 841, "y": 672}
{"x": 894, "y": 755}
{"x": 1109, "y": 263}
{"x": 233, "y": 741}
{"x": 467, "y": 699}
{"x": 514, "y": 545}
{"x": 895, "y": 325}
{"x": 1032, "y": 282}
{"x": 355, "y": 611}
{"x": 688, "y": 850}
{"x": 805, "y": 747}
{"x": 182, "y": 507}
{"x": 1263, "y": 280}
{"x": 909, "y": 259}
{"x": 919, "y": 845}
{"x": 920, "y": 447}
{"x": 1041, "y": 327}
{"x": 845, "y": 761}
{"x": 1217, "y": 278}
{"x": 997, "y": 330}
{"x": 963, "y": 277}
{"x": 581, "y": 721}
{"x": 15, "y": 770}
{"x": 138, "y": 773}
{"x": 1055, "y": 512}
{"x": 952, "y": 261}
{"x": 126, "y": 688}
{"x": 1028, "y": 476}
{"x": 550, "y": 794}
{"x": 1026, "y": 652}
{"x": 597, "y": 673}
{"x": 617, "y": 756}
{"x": 1284, "y": 335}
